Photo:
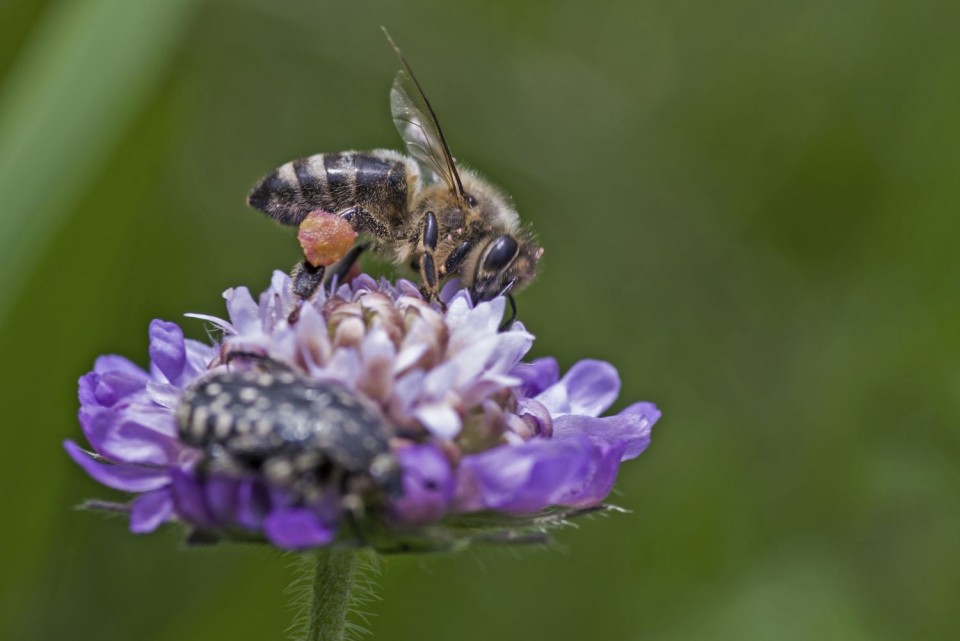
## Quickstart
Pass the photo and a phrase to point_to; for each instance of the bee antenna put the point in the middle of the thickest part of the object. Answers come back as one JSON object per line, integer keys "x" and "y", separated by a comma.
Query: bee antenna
{"x": 433, "y": 116}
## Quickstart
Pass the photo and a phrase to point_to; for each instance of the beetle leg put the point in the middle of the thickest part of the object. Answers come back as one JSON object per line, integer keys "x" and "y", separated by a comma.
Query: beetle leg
{"x": 353, "y": 508}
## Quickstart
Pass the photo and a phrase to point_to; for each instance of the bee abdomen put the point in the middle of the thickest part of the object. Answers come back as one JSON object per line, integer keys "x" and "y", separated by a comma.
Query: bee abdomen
{"x": 376, "y": 181}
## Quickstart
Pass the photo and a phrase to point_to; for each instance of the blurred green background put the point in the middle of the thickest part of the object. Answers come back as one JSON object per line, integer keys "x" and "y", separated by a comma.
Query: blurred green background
{"x": 750, "y": 207}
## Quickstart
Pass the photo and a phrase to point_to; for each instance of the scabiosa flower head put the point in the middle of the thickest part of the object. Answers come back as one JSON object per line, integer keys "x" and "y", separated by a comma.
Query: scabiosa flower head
{"x": 467, "y": 443}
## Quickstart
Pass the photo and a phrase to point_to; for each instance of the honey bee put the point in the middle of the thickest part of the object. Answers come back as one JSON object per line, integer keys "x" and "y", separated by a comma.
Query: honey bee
{"x": 422, "y": 210}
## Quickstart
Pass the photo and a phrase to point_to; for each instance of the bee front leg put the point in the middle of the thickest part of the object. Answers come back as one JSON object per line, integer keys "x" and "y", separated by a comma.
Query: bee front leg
{"x": 429, "y": 278}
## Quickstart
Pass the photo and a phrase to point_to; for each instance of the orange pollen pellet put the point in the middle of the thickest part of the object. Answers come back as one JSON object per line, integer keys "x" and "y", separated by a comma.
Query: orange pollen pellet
{"x": 325, "y": 238}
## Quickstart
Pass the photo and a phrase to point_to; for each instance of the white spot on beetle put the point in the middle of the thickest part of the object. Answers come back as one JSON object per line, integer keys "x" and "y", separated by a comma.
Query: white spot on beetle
{"x": 221, "y": 427}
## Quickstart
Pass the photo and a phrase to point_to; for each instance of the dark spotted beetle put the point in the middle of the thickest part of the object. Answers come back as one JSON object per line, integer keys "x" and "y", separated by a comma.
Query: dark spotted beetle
{"x": 302, "y": 435}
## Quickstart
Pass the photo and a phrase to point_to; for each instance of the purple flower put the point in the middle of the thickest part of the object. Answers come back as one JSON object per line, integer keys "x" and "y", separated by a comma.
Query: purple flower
{"x": 474, "y": 429}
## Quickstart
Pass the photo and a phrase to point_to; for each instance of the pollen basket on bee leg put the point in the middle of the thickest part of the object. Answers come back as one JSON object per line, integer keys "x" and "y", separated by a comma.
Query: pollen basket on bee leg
{"x": 325, "y": 238}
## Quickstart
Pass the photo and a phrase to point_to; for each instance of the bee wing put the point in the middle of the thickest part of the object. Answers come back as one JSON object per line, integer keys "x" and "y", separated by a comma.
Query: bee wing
{"x": 419, "y": 131}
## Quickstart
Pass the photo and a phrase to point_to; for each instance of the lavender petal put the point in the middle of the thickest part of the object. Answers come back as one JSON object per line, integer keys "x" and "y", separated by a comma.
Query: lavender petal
{"x": 189, "y": 499}
{"x": 536, "y": 375}
{"x": 119, "y": 476}
{"x": 428, "y": 485}
{"x": 525, "y": 478}
{"x": 167, "y": 349}
{"x": 631, "y": 430}
{"x": 120, "y": 365}
{"x": 243, "y": 311}
{"x": 588, "y": 388}
{"x": 296, "y": 529}
{"x": 150, "y": 510}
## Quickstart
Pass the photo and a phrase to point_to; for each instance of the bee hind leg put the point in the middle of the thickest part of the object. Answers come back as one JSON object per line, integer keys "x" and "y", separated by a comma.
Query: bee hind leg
{"x": 306, "y": 278}
{"x": 341, "y": 269}
{"x": 328, "y": 240}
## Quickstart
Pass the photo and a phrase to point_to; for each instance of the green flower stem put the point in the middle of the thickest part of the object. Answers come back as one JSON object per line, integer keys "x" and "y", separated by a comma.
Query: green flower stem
{"x": 333, "y": 580}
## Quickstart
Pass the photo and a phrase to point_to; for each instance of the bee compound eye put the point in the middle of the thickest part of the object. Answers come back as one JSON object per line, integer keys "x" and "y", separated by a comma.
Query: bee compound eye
{"x": 502, "y": 251}
{"x": 470, "y": 200}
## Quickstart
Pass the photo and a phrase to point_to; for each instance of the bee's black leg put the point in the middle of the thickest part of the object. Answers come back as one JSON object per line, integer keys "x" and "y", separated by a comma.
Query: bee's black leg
{"x": 363, "y": 222}
{"x": 507, "y": 322}
{"x": 340, "y": 270}
{"x": 306, "y": 279}
{"x": 429, "y": 278}
{"x": 456, "y": 258}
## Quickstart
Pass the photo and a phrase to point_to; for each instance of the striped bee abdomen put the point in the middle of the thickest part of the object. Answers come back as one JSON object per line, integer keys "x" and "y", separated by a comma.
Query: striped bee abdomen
{"x": 375, "y": 181}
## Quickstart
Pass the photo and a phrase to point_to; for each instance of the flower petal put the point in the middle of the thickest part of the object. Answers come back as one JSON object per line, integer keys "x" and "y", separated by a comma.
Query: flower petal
{"x": 646, "y": 415}
{"x": 107, "y": 388}
{"x": 216, "y": 321}
{"x": 125, "y": 441}
{"x": 525, "y": 478}
{"x": 189, "y": 499}
{"x": 297, "y": 529}
{"x": 451, "y": 289}
{"x": 149, "y": 511}
{"x": 243, "y": 311}
{"x": 312, "y": 338}
{"x": 168, "y": 352}
{"x": 428, "y": 485}
{"x": 119, "y": 365}
{"x": 534, "y": 412}
{"x": 86, "y": 389}
{"x": 164, "y": 394}
{"x": 605, "y": 465}
{"x": 377, "y": 354}
{"x": 119, "y": 476}
{"x": 469, "y": 325}
{"x": 221, "y": 497}
{"x": 630, "y": 429}
{"x": 406, "y": 391}
{"x": 440, "y": 419}
{"x": 253, "y": 504}
{"x": 588, "y": 388}
{"x": 198, "y": 358}
{"x": 537, "y": 375}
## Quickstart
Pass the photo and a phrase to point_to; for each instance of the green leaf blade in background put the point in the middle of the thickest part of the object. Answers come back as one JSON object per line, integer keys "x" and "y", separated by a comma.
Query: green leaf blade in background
{"x": 79, "y": 82}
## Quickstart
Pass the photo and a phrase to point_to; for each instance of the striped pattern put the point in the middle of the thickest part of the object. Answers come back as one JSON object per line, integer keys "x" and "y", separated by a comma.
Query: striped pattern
{"x": 377, "y": 182}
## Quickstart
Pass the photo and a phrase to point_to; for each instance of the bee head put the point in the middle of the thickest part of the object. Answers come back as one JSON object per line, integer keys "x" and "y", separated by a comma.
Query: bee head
{"x": 504, "y": 265}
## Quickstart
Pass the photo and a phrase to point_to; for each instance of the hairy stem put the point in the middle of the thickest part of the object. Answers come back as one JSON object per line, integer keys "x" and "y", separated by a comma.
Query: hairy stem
{"x": 332, "y": 584}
